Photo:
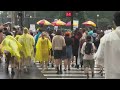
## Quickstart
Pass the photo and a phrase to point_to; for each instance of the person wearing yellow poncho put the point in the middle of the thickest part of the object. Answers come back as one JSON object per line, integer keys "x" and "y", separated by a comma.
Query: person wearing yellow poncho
{"x": 11, "y": 45}
{"x": 43, "y": 47}
{"x": 19, "y": 33}
{"x": 11, "y": 48}
{"x": 27, "y": 41}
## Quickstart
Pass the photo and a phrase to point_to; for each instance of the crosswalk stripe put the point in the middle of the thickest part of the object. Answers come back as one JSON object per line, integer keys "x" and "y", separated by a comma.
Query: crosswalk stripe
{"x": 65, "y": 75}
{"x": 69, "y": 72}
{"x": 74, "y": 73}
{"x": 72, "y": 69}
{"x": 74, "y": 78}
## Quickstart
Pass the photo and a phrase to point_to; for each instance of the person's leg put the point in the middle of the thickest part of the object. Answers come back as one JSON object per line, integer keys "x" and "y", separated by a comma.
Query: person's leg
{"x": 69, "y": 57}
{"x": 7, "y": 58}
{"x": 12, "y": 65}
{"x": 52, "y": 61}
{"x": 77, "y": 66}
{"x": 86, "y": 67}
{"x": 60, "y": 61}
{"x": 81, "y": 59}
{"x": 56, "y": 55}
{"x": 69, "y": 61}
{"x": 42, "y": 65}
{"x": 46, "y": 64}
{"x": 66, "y": 59}
{"x": 65, "y": 64}
{"x": 72, "y": 61}
{"x": 92, "y": 64}
{"x": 57, "y": 65}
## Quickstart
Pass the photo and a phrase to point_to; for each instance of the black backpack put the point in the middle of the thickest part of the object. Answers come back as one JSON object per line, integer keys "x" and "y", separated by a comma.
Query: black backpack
{"x": 88, "y": 48}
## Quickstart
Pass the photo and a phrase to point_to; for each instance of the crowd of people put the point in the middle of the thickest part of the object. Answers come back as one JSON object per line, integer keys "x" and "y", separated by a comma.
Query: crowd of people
{"x": 20, "y": 47}
{"x": 46, "y": 46}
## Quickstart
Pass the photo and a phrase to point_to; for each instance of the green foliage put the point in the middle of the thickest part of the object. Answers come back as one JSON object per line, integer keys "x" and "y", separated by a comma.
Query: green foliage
{"x": 103, "y": 23}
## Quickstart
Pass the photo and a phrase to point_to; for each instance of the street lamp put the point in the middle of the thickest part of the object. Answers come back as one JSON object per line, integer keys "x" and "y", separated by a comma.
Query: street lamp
{"x": 97, "y": 19}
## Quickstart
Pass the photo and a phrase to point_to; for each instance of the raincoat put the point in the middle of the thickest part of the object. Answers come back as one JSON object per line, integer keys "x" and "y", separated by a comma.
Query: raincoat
{"x": 17, "y": 37}
{"x": 43, "y": 47}
{"x": 108, "y": 54}
{"x": 27, "y": 41}
{"x": 11, "y": 45}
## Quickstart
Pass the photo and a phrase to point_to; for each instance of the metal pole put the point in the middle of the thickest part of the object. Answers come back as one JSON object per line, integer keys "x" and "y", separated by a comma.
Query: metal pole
{"x": 12, "y": 17}
{"x": 71, "y": 20}
{"x": 28, "y": 21}
{"x": 34, "y": 14}
{"x": 2, "y": 17}
{"x": 21, "y": 19}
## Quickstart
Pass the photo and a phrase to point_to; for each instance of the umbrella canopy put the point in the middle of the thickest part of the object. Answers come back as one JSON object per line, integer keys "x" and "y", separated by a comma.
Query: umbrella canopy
{"x": 89, "y": 23}
{"x": 58, "y": 23}
{"x": 69, "y": 24}
{"x": 43, "y": 22}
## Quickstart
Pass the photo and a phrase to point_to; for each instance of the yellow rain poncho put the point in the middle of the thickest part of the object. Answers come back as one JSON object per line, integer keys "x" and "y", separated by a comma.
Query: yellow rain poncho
{"x": 11, "y": 45}
{"x": 17, "y": 37}
{"x": 27, "y": 41}
{"x": 43, "y": 47}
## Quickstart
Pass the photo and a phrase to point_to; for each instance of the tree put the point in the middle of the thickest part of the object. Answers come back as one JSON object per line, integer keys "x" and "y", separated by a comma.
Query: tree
{"x": 103, "y": 23}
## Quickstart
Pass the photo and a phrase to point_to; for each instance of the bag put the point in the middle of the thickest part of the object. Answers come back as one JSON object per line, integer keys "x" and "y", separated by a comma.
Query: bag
{"x": 88, "y": 48}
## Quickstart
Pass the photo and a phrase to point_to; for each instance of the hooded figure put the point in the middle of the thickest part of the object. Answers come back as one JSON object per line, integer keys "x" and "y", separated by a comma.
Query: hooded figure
{"x": 11, "y": 48}
{"x": 108, "y": 54}
{"x": 27, "y": 41}
{"x": 43, "y": 47}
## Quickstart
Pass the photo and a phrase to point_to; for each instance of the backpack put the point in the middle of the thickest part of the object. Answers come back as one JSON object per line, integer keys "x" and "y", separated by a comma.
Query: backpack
{"x": 88, "y": 48}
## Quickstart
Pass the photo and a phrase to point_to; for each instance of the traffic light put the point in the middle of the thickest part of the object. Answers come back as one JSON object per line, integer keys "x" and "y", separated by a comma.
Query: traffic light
{"x": 68, "y": 14}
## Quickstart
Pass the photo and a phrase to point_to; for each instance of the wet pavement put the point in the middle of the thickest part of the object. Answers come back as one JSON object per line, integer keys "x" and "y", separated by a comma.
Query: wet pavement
{"x": 33, "y": 73}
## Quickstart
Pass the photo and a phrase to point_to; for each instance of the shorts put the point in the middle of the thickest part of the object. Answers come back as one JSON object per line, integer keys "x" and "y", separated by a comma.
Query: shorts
{"x": 68, "y": 52}
{"x": 89, "y": 63}
{"x": 57, "y": 54}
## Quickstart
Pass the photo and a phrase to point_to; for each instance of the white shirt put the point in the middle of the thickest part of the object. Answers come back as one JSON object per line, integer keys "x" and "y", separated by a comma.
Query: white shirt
{"x": 108, "y": 54}
{"x": 87, "y": 57}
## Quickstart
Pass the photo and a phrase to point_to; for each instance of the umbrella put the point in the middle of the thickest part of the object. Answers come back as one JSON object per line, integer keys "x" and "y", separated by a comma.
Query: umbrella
{"x": 89, "y": 23}
{"x": 43, "y": 22}
{"x": 58, "y": 23}
{"x": 69, "y": 24}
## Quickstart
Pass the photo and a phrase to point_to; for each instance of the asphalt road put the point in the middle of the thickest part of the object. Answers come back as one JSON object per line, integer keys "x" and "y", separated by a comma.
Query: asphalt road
{"x": 34, "y": 73}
